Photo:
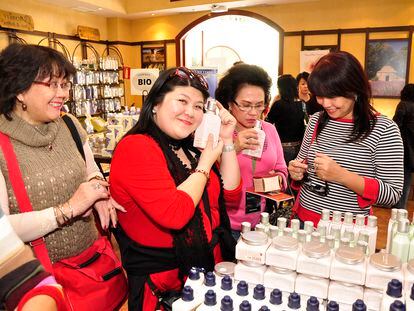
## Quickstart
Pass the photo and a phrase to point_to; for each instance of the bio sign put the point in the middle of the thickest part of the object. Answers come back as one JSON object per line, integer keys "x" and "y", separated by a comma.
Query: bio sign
{"x": 142, "y": 80}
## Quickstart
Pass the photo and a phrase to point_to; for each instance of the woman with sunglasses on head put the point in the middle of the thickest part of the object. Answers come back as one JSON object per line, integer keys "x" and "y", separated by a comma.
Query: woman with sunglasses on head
{"x": 174, "y": 193}
{"x": 245, "y": 91}
{"x": 351, "y": 157}
{"x": 47, "y": 189}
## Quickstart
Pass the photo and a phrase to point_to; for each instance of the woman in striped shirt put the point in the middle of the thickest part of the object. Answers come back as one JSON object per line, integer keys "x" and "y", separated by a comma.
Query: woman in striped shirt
{"x": 351, "y": 156}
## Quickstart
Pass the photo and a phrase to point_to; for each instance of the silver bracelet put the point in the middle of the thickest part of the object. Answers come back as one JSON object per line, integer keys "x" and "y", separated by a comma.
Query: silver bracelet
{"x": 228, "y": 148}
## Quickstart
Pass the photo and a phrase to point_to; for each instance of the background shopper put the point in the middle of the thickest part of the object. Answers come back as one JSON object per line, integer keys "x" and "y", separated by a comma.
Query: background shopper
{"x": 310, "y": 104}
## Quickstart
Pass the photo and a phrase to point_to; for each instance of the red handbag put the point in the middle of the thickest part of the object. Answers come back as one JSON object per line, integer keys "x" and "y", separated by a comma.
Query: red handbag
{"x": 92, "y": 280}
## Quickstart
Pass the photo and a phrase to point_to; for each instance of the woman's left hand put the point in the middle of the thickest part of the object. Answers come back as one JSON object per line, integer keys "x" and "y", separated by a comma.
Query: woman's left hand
{"x": 327, "y": 168}
{"x": 107, "y": 210}
{"x": 228, "y": 123}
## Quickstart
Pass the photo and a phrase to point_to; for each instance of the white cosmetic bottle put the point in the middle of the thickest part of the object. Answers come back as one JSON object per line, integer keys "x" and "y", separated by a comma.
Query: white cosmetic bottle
{"x": 393, "y": 219}
{"x": 325, "y": 219}
{"x": 372, "y": 229}
{"x": 257, "y": 153}
{"x": 209, "y": 125}
{"x": 348, "y": 223}
{"x": 401, "y": 242}
{"x": 336, "y": 221}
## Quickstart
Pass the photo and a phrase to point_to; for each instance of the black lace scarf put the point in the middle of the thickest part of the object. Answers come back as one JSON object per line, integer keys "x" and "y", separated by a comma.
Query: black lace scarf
{"x": 190, "y": 243}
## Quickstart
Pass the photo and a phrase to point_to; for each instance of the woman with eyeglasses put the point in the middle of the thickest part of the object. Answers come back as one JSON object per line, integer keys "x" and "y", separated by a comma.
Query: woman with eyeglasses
{"x": 245, "y": 91}
{"x": 175, "y": 195}
{"x": 351, "y": 157}
{"x": 42, "y": 166}
{"x": 288, "y": 115}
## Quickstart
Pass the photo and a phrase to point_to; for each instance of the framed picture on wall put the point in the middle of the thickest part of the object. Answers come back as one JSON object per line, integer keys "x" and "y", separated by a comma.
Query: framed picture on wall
{"x": 386, "y": 64}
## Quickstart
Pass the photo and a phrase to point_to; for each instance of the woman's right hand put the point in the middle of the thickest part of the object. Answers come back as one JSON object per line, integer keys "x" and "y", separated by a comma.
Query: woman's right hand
{"x": 296, "y": 169}
{"x": 210, "y": 154}
{"x": 246, "y": 139}
{"x": 87, "y": 194}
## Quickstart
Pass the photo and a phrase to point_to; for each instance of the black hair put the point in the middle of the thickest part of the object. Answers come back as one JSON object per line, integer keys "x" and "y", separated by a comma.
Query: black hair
{"x": 21, "y": 64}
{"x": 237, "y": 77}
{"x": 340, "y": 74}
{"x": 407, "y": 93}
{"x": 165, "y": 83}
{"x": 303, "y": 75}
{"x": 288, "y": 90}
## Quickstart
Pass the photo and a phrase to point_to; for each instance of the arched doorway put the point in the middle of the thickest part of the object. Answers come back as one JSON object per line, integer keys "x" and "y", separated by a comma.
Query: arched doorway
{"x": 219, "y": 40}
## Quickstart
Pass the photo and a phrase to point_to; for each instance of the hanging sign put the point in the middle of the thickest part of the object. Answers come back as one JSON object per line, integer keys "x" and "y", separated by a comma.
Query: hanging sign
{"x": 88, "y": 33}
{"x": 142, "y": 80}
{"x": 308, "y": 59}
{"x": 16, "y": 20}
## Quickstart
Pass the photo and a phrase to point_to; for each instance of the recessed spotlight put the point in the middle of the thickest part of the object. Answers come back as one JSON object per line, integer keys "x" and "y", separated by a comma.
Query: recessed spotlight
{"x": 152, "y": 14}
{"x": 100, "y": 9}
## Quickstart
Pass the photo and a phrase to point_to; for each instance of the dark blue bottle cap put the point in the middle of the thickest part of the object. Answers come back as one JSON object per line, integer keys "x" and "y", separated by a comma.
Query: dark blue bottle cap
{"x": 187, "y": 294}
{"x": 210, "y": 279}
{"x": 226, "y": 283}
{"x": 210, "y": 298}
{"x": 194, "y": 274}
{"x": 276, "y": 297}
{"x": 312, "y": 304}
{"x": 245, "y": 306}
{"x": 394, "y": 288}
{"x": 226, "y": 304}
{"x": 294, "y": 301}
{"x": 242, "y": 288}
{"x": 359, "y": 305}
{"x": 397, "y": 305}
{"x": 264, "y": 308}
{"x": 332, "y": 306}
{"x": 412, "y": 292}
{"x": 259, "y": 292}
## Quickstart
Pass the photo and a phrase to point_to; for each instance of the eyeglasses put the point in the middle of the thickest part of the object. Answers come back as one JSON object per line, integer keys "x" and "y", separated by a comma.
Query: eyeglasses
{"x": 318, "y": 189}
{"x": 186, "y": 73}
{"x": 258, "y": 108}
{"x": 65, "y": 86}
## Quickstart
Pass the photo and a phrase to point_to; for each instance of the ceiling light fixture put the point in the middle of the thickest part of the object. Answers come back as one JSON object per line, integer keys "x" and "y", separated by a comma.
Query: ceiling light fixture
{"x": 218, "y": 8}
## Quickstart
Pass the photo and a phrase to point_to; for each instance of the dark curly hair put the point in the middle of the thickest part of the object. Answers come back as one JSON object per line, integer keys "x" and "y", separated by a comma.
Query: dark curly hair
{"x": 238, "y": 76}
{"x": 407, "y": 93}
{"x": 287, "y": 88}
{"x": 21, "y": 64}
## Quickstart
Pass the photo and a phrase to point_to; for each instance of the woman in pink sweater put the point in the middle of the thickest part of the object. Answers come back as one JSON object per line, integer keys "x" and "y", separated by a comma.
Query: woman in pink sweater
{"x": 245, "y": 92}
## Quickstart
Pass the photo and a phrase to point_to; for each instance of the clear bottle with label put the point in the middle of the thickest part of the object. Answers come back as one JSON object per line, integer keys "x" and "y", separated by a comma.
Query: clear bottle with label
{"x": 336, "y": 220}
{"x": 281, "y": 224}
{"x": 382, "y": 268}
{"x": 348, "y": 223}
{"x": 257, "y": 153}
{"x": 252, "y": 247}
{"x": 394, "y": 291}
{"x": 401, "y": 242}
{"x": 284, "y": 279}
{"x": 359, "y": 225}
{"x": 325, "y": 219}
{"x": 210, "y": 124}
{"x": 348, "y": 265}
{"x": 393, "y": 219}
{"x": 314, "y": 259}
{"x": 372, "y": 228}
{"x": 345, "y": 293}
{"x": 250, "y": 272}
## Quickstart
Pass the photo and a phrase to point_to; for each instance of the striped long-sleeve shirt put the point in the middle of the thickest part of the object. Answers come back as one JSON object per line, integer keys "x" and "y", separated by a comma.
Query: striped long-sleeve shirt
{"x": 378, "y": 158}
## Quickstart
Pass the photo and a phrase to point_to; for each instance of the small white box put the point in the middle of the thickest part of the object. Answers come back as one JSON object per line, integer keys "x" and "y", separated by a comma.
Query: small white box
{"x": 266, "y": 183}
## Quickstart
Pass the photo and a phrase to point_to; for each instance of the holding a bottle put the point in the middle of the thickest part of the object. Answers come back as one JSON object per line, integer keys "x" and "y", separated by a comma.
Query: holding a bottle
{"x": 245, "y": 92}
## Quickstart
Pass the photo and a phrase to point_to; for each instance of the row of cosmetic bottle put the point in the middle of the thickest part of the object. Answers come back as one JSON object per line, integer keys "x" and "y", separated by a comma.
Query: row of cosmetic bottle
{"x": 400, "y": 235}
{"x": 211, "y": 124}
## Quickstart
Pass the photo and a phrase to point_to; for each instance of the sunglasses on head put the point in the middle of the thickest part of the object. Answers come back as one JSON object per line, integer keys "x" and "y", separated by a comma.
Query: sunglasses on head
{"x": 188, "y": 74}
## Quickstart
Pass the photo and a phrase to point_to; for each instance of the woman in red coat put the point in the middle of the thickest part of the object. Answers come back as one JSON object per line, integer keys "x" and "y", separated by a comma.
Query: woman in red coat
{"x": 174, "y": 194}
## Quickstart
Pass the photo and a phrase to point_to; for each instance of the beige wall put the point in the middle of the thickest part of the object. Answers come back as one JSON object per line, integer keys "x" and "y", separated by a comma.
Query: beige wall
{"x": 313, "y": 15}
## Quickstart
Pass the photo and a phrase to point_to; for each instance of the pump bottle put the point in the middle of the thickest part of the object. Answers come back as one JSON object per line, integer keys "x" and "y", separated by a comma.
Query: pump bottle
{"x": 257, "y": 153}
{"x": 209, "y": 125}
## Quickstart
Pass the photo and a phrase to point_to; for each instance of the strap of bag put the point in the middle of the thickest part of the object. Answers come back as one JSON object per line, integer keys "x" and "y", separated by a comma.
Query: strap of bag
{"x": 24, "y": 204}
{"x": 75, "y": 134}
